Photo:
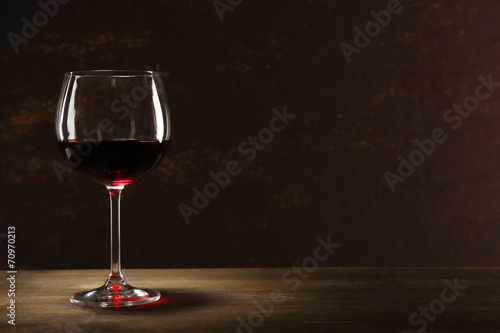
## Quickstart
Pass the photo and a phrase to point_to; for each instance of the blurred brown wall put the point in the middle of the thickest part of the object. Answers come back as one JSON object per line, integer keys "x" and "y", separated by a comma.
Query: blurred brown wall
{"x": 323, "y": 174}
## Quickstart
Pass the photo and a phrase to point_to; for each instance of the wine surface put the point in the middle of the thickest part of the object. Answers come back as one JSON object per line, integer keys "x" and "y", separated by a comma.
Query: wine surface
{"x": 112, "y": 162}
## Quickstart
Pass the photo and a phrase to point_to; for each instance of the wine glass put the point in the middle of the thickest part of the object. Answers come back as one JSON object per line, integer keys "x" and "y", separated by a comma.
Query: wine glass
{"x": 113, "y": 127}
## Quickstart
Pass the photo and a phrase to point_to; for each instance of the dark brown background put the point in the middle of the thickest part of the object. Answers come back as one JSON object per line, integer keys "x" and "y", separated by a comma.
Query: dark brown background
{"x": 322, "y": 175}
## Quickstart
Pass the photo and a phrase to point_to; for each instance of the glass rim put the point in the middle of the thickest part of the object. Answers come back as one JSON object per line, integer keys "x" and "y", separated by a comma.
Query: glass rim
{"x": 114, "y": 73}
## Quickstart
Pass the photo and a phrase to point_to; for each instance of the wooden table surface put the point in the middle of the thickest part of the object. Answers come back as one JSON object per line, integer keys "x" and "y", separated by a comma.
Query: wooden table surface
{"x": 220, "y": 300}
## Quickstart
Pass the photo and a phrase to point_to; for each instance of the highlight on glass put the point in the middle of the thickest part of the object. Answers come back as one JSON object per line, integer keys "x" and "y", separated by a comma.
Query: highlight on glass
{"x": 113, "y": 127}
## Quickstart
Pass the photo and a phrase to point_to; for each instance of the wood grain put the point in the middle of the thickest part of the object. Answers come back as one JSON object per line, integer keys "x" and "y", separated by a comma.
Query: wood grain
{"x": 211, "y": 300}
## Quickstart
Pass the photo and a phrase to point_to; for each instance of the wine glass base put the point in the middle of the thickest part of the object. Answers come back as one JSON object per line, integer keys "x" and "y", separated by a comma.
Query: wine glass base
{"x": 115, "y": 294}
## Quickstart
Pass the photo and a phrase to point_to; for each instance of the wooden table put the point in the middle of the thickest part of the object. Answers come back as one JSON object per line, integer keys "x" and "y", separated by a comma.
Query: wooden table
{"x": 219, "y": 300}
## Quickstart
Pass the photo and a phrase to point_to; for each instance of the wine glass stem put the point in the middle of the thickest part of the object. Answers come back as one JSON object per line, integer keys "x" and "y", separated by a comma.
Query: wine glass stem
{"x": 115, "y": 193}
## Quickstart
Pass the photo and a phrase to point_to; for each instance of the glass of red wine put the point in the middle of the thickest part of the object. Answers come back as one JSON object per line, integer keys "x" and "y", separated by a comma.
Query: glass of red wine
{"x": 113, "y": 127}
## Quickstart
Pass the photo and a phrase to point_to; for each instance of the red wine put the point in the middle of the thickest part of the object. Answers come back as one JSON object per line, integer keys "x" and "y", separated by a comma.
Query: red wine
{"x": 112, "y": 162}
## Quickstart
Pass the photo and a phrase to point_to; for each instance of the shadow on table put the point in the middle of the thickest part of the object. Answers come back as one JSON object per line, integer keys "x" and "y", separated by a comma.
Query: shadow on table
{"x": 171, "y": 301}
{"x": 119, "y": 319}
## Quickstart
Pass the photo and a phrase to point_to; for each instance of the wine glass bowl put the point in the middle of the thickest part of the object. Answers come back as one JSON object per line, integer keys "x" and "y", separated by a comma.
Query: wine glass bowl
{"x": 113, "y": 127}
